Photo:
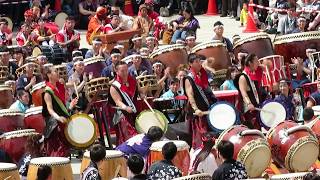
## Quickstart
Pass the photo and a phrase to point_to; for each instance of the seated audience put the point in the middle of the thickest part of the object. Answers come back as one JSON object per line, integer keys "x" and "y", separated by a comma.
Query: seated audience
{"x": 135, "y": 165}
{"x": 97, "y": 154}
{"x": 44, "y": 173}
{"x": 23, "y": 101}
{"x": 165, "y": 169}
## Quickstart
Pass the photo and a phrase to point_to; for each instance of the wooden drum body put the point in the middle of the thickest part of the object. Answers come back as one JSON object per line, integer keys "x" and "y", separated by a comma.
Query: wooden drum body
{"x": 6, "y": 95}
{"x": 11, "y": 120}
{"x": 148, "y": 83}
{"x": 295, "y": 45}
{"x": 14, "y": 142}
{"x": 259, "y": 44}
{"x": 109, "y": 165}
{"x": 95, "y": 85}
{"x": 36, "y": 93}
{"x": 171, "y": 56}
{"x": 94, "y": 65}
{"x": 250, "y": 148}
{"x": 9, "y": 171}
{"x": 61, "y": 167}
{"x": 214, "y": 49}
{"x": 33, "y": 119}
{"x": 315, "y": 127}
{"x": 4, "y": 72}
{"x": 181, "y": 160}
{"x": 62, "y": 70}
{"x": 293, "y": 146}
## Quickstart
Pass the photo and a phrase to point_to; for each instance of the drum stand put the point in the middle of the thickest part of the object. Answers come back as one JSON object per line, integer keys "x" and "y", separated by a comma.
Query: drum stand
{"x": 99, "y": 110}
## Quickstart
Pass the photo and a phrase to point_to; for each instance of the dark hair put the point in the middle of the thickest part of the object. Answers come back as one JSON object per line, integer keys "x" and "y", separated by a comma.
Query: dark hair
{"x": 154, "y": 133}
{"x": 4, "y": 49}
{"x": 249, "y": 59}
{"x": 114, "y": 50}
{"x": 190, "y": 33}
{"x": 47, "y": 70}
{"x": 217, "y": 23}
{"x": 174, "y": 80}
{"x": 97, "y": 153}
{"x": 135, "y": 163}
{"x": 188, "y": 10}
{"x": 2, "y": 20}
{"x": 230, "y": 70}
{"x": 208, "y": 142}
{"x": 169, "y": 151}
{"x": 21, "y": 92}
{"x": 18, "y": 50}
{"x": 33, "y": 145}
{"x": 119, "y": 63}
{"x": 44, "y": 172}
{"x": 192, "y": 57}
{"x": 308, "y": 114}
{"x": 70, "y": 18}
{"x": 226, "y": 149}
{"x": 311, "y": 176}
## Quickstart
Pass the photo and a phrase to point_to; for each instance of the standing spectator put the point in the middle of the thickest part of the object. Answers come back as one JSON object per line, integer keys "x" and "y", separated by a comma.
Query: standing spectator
{"x": 68, "y": 7}
{"x": 135, "y": 164}
{"x": 5, "y": 33}
{"x": 226, "y": 7}
{"x": 244, "y": 14}
{"x": 289, "y": 23}
{"x": 165, "y": 169}
{"x": 302, "y": 23}
{"x": 187, "y": 22}
{"x": 230, "y": 169}
{"x": 87, "y": 9}
{"x": 97, "y": 154}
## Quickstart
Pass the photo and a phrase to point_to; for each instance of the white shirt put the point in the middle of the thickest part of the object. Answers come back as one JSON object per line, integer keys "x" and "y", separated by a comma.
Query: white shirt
{"x": 209, "y": 165}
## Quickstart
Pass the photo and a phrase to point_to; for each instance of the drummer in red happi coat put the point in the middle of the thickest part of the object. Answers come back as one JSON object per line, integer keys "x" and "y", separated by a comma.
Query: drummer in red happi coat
{"x": 43, "y": 35}
{"x": 200, "y": 96}
{"x": 5, "y": 33}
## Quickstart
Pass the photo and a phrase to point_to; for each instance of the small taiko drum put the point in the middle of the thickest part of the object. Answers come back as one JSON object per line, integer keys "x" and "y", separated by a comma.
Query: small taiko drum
{"x": 95, "y": 85}
{"x": 181, "y": 160}
{"x": 171, "y": 56}
{"x": 94, "y": 65}
{"x": 293, "y": 146}
{"x": 259, "y": 44}
{"x": 271, "y": 114}
{"x": 296, "y": 176}
{"x": 274, "y": 71}
{"x": 114, "y": 160}
{"x": 14, "y": 142}
{"x": 62, "y": 70}
{"x": 4, "y": 72}
{"x": 147, "y": 82}
{"x": 215, "y": 49}
{"x": 33, "y": 119}
{"x": 9, "y": 171}
{"x": 202, "y": 176}
{"x": 295, "y": 45}
{"x": 36, "y": 93}
{"x": 61, "y": 167}
{"x": 11, "y": 120}
{"x": 6, "y": 95}
{"x": 80, "y": 123}
{"x": 147, "y": 119}
{"x": 250, "y": 148}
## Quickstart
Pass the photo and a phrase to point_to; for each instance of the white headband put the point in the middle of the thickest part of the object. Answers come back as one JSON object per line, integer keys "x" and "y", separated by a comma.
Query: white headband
{"x": 74, "y": 52}
{"x": 119, "y": 46}
{"x": 41, "y": 140}
{"x": 96, "y": 42}
{"x": 136, "y": 38}
{"x": 12, "y": 60}
{"x": 136, "y": 55}
{"x": 78, "y": 62}
{"x": 144, "y": 49}
{"x": 157, "y": 63}
{"x": 150, "y": 38}
{"x": 3, "y": 53}
{"x": 77, "y": 58}
{"x": 41, "y": 56}
{"x": 217, "y": 26}
{"x": 9, "y": 82}
{"x": 180, "y": 41}
{"x": 115, "y": 54}
{"x": 190, "y": 37}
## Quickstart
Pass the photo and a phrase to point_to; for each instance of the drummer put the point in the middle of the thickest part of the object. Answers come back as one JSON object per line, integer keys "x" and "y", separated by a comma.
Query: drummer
{"x": 162, "y": 75}
{"x": 135, "y": 44}
{"x": 110, "y": 71}
{"x": 4, "y": 61}
{"x": 96, "y": 49}
{"x": 190, "y": 41}
{"x": 76, "y": 56}
{"x": 218, "y": 30}
{"x": 151, "y": 43}
{"x": 248, "y": 87}
{"x": 23, "y": 101}
{"x": 5, "y": 33}
{"x": 56, "y": 113}
{"x": 199, "y": 93}
{"x": 28, "y": 78}
{"x": 123, "y": 92}
{"x": 43, "y": 35}
{"x": 286, "y": 99}
{"x": 137, "y": 68}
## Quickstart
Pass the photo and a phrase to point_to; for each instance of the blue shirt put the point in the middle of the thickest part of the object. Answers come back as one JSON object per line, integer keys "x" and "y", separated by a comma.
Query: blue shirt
{"x": 19, "y": 106}
{"x": 138, "y": 144}
{"x": 230, "y": 85}
{"x": 316, "y": 98}
{"x": 108, "y": 72}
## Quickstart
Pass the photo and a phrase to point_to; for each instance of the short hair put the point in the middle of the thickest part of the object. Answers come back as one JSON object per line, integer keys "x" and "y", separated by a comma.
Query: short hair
{"x": 135, "y": 163}
{"x": 311, "y": 176}
{"x": 97, "y": 153}
{"x": 119, "y": 63}
{"x": 114, "y": 51}
{"x": 226, "y": 149}
{"x": 154, "y": 133}
{"x": 21, "y": 92}
{"x": 217, "y": 23}
{"x": 44, "y": 172}
{"x": 174, "y": 80}
{"x": 192, "y": 57}
{"x": 2, "y": 20}
{"x": 169, "y": 151}
{"x": 70, "y": 18}
{"x": 308, "y": 114}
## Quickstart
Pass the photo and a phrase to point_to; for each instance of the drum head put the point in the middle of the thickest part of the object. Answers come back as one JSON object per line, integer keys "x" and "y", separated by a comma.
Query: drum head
{"x": 222, "y": 115}
{"x": 81, "y": 131}
{"x": 50, "y": 161}
{"x": 10, "y": 24}
{"x": 7, "y": 166}
{"x": 147, "y": 119}
{"x": 36, "y": 51}
{"x": 60, "y": 19}
{"x": 316, "y": 110}
{"x": 272, "y": 114}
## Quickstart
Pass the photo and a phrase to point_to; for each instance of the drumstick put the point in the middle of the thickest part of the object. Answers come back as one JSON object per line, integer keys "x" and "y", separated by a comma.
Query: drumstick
{"x": 151, "y": 109}
{"x": 8, "y": 177}
{"x": 258, "y": 109}
{"x": 203, "y": 112}
{"x": 117, "y": 171}
{"x": 75, "y": 89}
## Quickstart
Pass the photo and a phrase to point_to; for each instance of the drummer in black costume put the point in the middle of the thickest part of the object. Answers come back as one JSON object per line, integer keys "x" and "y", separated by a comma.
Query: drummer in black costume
{"x": 200, "y": 96}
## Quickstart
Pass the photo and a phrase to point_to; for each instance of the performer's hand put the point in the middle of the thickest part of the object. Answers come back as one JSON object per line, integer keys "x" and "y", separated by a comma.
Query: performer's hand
{"x": 85, "y": 77}
{"x": 129, "y": 109}
{"x": 251, "y": 107}
{"x": 73, "y": 102}
{"x": 199, "y": 113}
{"x": 33, "y": 80}
{"x": 62, "y": 119}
